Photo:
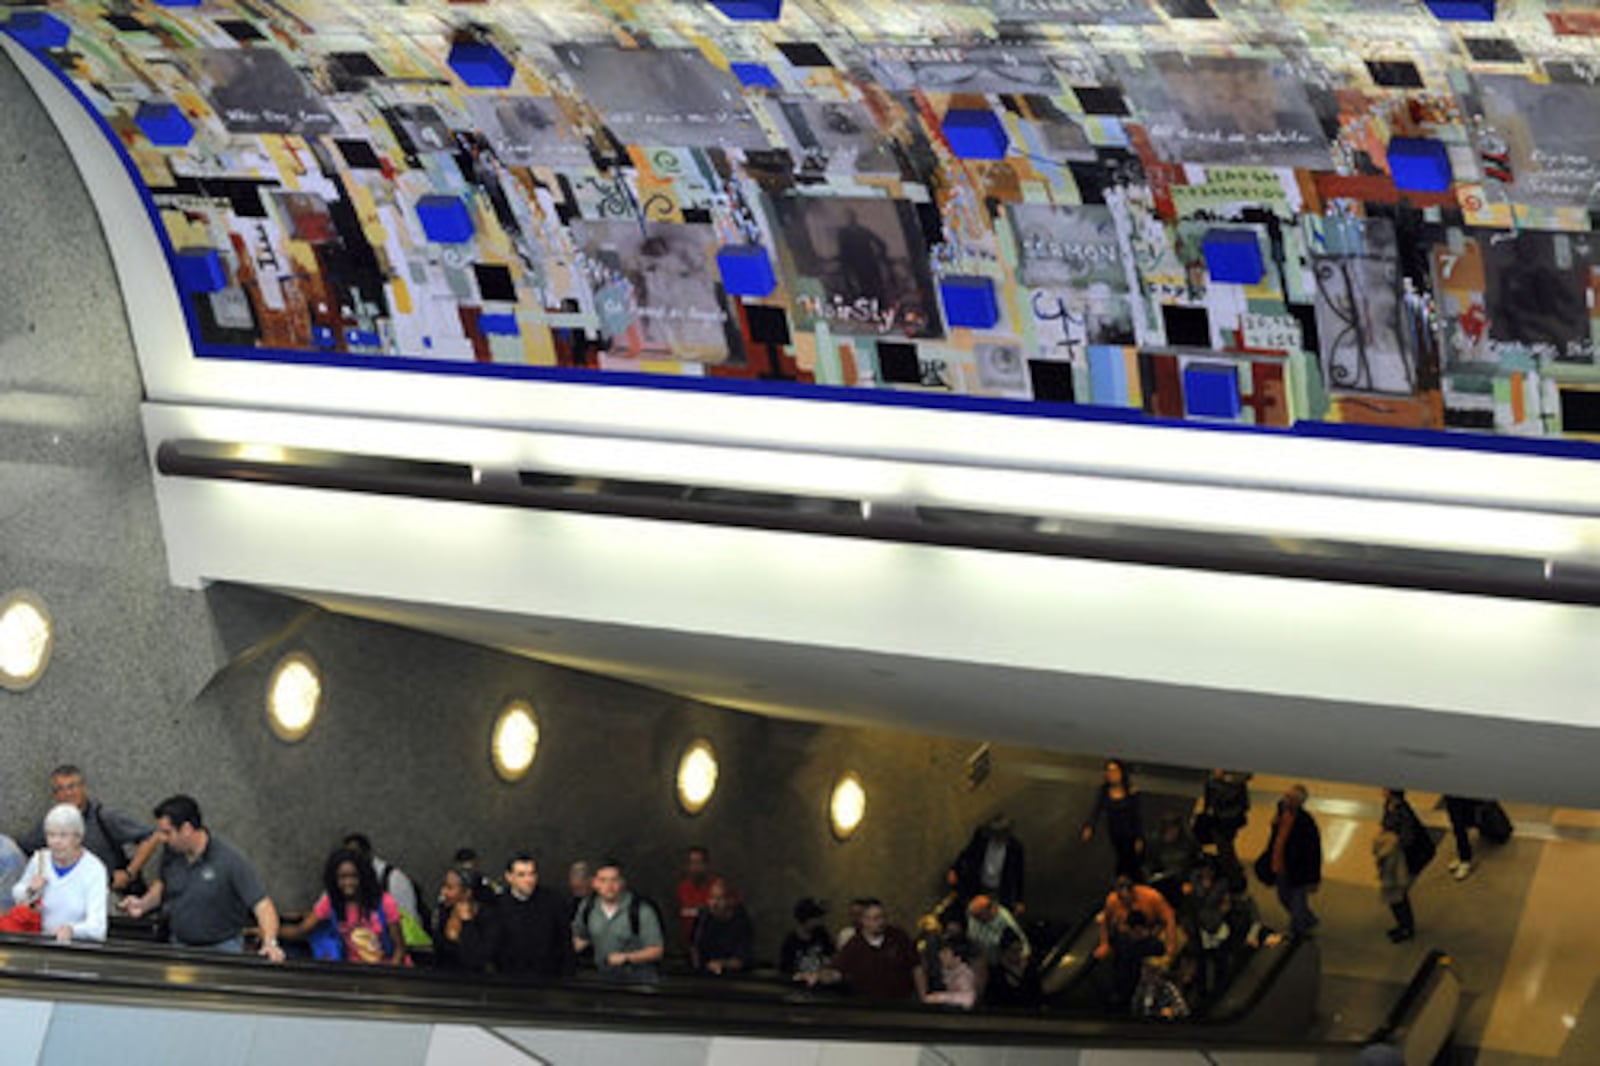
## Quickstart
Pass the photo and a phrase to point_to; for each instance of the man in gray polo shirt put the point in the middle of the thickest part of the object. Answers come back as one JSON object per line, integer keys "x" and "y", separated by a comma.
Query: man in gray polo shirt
{"x": 210, "y": 890}
{"x": 624, "y": 929}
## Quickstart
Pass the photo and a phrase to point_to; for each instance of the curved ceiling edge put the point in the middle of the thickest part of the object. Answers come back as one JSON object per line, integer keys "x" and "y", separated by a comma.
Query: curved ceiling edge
{"x": 333, "y": 211}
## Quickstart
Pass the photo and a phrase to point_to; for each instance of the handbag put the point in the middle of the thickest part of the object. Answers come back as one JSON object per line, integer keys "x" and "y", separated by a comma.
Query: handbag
{"x": 1264, "y": 872}
{"x": 25, "y": 917}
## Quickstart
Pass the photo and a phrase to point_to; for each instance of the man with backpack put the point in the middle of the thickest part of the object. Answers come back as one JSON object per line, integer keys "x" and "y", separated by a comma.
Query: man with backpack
{"x": 624, "y": 929}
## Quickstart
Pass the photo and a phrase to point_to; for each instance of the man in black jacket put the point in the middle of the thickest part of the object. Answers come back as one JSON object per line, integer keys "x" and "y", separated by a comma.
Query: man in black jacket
{"x": 991, "y": 866}
{"x": 1293, "y": 860}
{"x": 531, "y": 937}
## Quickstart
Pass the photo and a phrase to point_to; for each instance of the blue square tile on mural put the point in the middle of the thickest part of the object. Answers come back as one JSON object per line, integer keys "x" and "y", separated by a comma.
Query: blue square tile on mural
{"x": 1233, "y": 255}
{"x": 164, "y": 123}
{"x": 499, "y": 325}
{"x": 480, "y": 64}
{"x": 200, "y": 270}
{"x": 750, "y": 10}
{"x": 445, "y": 219}
{"x": 755, "y": 75}
{"x": 1211, "y": 390}
{"x": 38, "y": 30}
{"x": 1462, "y": 10}
{"x": 975, "y": 134}
{"x": 746, "y": 270}
{"x": 1419, "y": 164}
{"x": 970, "y": 302}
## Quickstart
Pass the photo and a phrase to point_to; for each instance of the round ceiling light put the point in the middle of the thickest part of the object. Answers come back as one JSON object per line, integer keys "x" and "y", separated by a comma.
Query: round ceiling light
{"x": 515, "y": 742}
{"x": 25, "y": 639}
{"x": 847, "y": 806}
{"x": 697, "y": 776}
{"x": 293, "y": 695}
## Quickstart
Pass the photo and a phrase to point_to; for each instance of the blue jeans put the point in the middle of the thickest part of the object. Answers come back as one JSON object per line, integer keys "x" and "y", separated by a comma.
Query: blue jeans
{"x": 234, "y": 945}
{"x": 1296, "y": 900}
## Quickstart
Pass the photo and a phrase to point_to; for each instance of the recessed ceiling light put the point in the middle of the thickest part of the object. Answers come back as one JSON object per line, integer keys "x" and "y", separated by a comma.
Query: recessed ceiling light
{"x": 294, "y": 693}
{"x": 515, "y": 741}
{"x": 697, "y": 776}
{"x": 847, "y": 806}
{"x": 26, "y": 635}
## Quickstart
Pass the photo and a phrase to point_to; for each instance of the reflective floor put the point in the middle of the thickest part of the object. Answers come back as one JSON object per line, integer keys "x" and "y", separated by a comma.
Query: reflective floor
{"x": 1523, "y": 928}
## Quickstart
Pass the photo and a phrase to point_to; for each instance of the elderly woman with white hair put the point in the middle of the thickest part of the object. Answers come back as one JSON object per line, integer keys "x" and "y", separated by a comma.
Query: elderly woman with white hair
{"x": 68, "y": 881}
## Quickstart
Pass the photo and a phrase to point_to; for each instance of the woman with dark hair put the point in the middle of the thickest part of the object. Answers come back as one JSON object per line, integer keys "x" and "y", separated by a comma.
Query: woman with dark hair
{"x": 1119, "y": 802}
{"x": 461, "y": 936}
{"x": 364, "y": 927}
{"x": 1403, "y": 847}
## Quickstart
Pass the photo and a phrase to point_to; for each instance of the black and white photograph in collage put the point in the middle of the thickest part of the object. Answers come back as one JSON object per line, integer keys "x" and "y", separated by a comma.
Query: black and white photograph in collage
{"x": 839, "y": 134}
{"x": 1361, "y": 343}
{"x": 1225, "y": 110}
{"x": 526, "y": 131}
{"x": 1539, "y": 290}
{"x": 667, "y": 96}
{"x": 255, "y": 90}
{"x": 957, "y": 69}
{"x": 860, "y": 266}
{"x": 655, "y": 291}
{"x": 1551, "y": 135}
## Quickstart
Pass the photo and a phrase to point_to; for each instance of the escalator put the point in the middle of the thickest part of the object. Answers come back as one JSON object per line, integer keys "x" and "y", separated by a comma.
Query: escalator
{"x": 1269, "y": 1014}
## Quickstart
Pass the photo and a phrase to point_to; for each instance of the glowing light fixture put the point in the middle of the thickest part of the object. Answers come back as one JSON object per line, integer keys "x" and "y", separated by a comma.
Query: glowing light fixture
{"x": 516, "y": 741}
{"x": 697, "y": 776}
{"x": 293, "y": 695}
{"x": 847, "y": 806}
{"x": 25, "y": 639}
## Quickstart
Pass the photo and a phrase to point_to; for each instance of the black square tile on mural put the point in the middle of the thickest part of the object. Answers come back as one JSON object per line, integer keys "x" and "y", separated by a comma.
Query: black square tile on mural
{"x": 240, "y": 30}
{"x": 1101, "y": 99}
{"x": 898, "y": 363}
{"x": 1395, "y": 73}
{"x": 1052, "y": 381}
{"x": 359, "y": 155}
{"x": 1580, "y": 410}
{"x": 1187, "y": 327}
{"x": 768, "y": 325}
{"x": 1492, "y": 50}
{"x": 804, "y": 54}
{"x": 1189, "y": 9}
{"x": 494, "y": 282}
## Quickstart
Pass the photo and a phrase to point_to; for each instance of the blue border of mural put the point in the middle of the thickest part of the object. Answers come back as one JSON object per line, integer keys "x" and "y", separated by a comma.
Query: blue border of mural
{"x": 1315, "y": 430}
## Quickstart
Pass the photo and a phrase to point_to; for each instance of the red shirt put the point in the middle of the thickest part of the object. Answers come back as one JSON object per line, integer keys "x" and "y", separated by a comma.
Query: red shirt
{"x": 691, "y": 897}
{"x": 882, "y": 972}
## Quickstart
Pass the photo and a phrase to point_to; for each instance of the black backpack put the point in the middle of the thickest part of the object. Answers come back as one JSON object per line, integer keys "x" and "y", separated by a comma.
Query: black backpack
{"x": 637, "y": 903}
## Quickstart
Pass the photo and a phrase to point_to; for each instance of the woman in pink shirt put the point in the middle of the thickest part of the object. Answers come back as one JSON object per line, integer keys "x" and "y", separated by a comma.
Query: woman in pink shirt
{"x": 364, "y": 927}
{"x": 960, "y": 983}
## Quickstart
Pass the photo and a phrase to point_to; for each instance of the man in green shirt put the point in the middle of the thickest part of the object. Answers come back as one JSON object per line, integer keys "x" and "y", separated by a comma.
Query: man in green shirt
{"x": 623, "y": 929}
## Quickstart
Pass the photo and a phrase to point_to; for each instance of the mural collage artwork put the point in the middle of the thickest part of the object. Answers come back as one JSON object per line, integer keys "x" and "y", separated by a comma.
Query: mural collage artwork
{"x": 1262, "y": 212}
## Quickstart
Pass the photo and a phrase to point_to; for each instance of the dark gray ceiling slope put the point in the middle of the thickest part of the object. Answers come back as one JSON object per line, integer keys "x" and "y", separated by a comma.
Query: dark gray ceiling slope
{"x": 1532, "y": 762}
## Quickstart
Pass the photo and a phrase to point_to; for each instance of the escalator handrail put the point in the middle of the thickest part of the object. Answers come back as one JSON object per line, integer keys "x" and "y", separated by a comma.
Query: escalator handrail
{"x": 1419, "y": 983}
{"x": 246, "y": 984}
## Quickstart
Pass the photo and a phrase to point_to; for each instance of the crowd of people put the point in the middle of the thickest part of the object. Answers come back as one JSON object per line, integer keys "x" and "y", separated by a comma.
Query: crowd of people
{"x": 1177, "y": 924}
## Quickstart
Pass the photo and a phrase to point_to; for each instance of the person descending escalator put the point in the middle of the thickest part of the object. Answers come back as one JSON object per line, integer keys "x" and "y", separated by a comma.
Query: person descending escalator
{"x": 1120, "y": 805}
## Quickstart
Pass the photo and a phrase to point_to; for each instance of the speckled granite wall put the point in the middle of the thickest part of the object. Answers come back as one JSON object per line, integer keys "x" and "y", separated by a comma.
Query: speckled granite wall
{"x": 77, "y": 515}
{"x": 155, "y": 690}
